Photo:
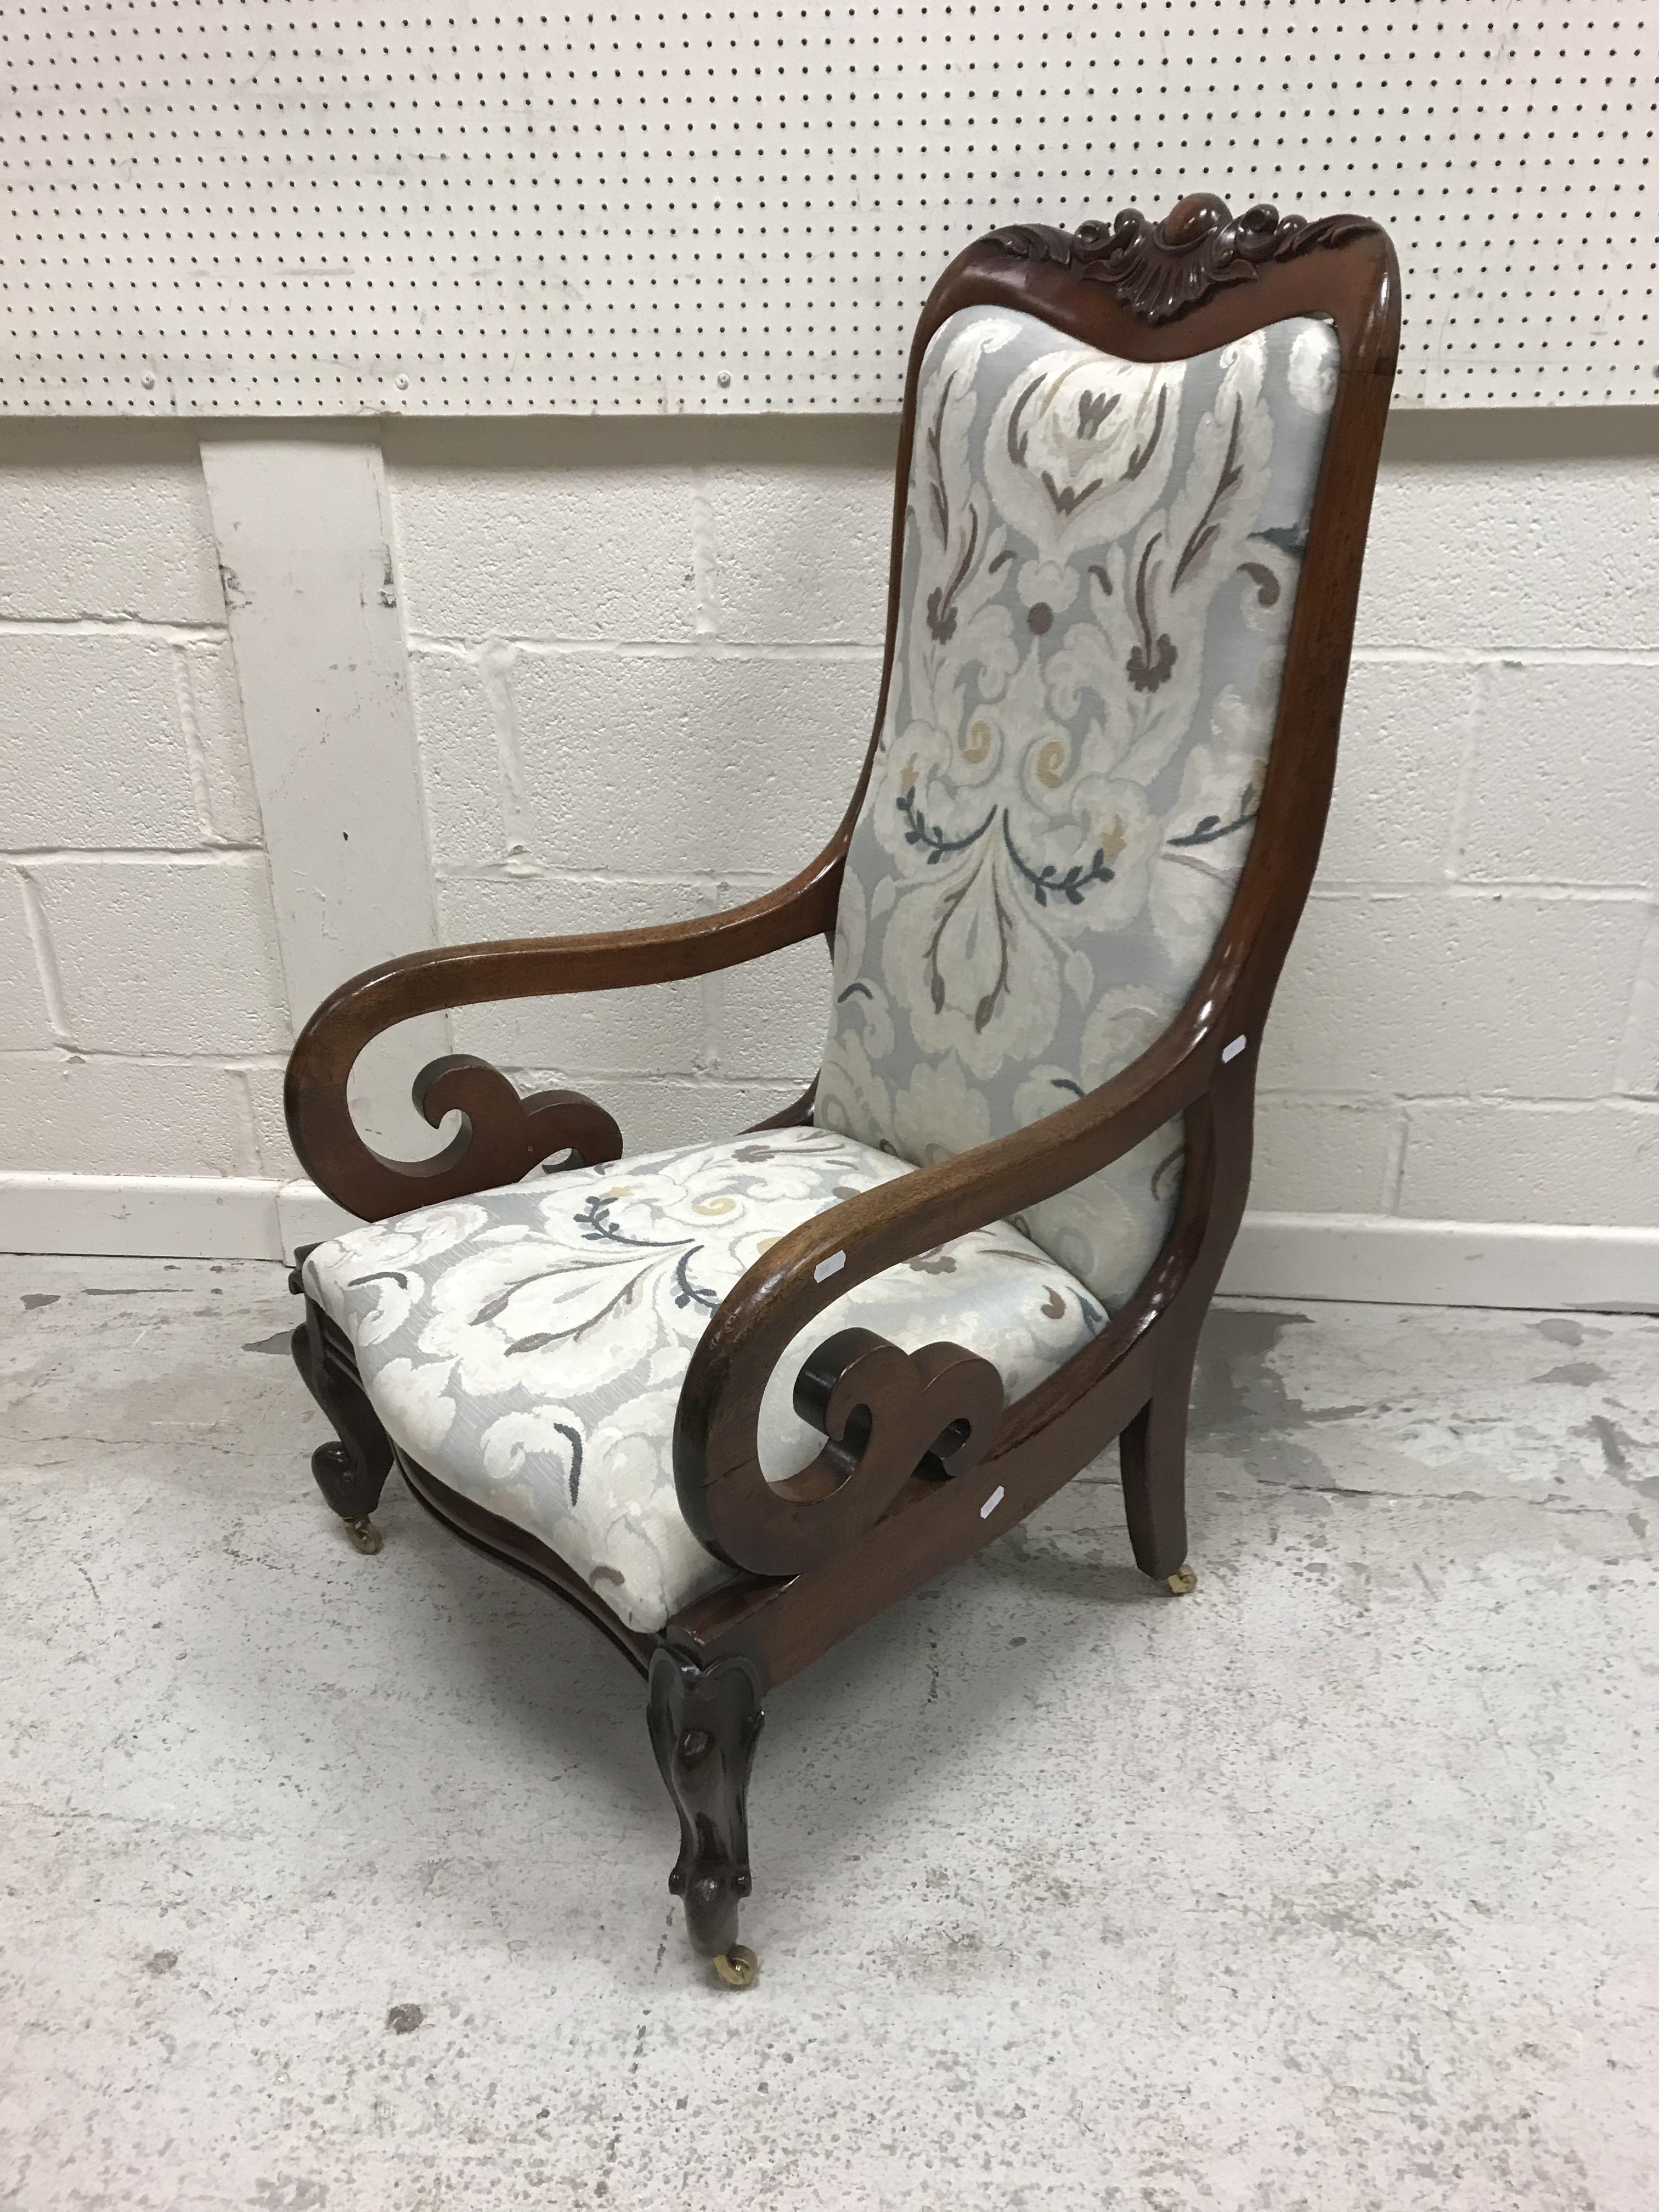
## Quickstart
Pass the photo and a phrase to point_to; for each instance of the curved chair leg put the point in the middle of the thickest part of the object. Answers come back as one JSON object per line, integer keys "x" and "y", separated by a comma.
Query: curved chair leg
{"x": 1152, "y": 1456}
{"x": 704, "y": 1722}
{"x": 351, "y": 1474}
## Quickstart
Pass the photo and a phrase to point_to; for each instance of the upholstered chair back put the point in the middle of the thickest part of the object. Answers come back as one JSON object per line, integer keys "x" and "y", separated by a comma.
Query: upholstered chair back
{"x": 1099, "y": 567}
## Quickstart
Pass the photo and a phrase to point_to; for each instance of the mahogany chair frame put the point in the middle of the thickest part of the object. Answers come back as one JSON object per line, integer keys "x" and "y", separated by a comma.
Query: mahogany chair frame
{"x": 921, "y": 1465}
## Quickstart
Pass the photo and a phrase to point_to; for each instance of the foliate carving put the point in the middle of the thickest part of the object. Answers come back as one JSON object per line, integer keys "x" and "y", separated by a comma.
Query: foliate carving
{"x": 1161, "y": 271}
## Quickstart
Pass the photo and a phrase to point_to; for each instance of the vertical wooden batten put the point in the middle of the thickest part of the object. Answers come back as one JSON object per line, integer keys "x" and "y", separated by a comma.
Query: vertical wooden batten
{"x": 307, "y": 550}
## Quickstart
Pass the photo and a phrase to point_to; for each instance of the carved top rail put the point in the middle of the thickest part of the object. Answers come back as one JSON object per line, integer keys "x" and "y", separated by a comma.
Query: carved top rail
{"x": 1162, "y": 270}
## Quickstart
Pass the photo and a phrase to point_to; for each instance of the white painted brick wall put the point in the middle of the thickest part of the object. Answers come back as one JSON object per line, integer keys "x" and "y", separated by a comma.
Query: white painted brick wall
{"x": 1563, "y": 784}
{"x": 1517, "y": 1158}
{"x": 125, "y": 1116}
{"x": 117, "y": 772}
{"x": 1415, "y": 994}
{"x": 25, "y": 1019}
{"x": 1331, "y": 1155}
{"x": 643, "y": 658}
{"x": 1479, "y": 545}
{"x": 549, "y": 531}
{"x": 1406, "y": 730}
{"x": 796, "y": 533}
{"x": 141, "y": 993}
{"x": 106, "y": 520}
{"x": 603, "y": 759}
{"x": 165, "y": 955}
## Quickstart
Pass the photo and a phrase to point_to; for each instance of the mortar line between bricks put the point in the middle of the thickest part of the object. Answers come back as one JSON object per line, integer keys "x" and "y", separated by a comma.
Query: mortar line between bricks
{"x": 711, "y": 999}
{"x": 1546, "y": 892}
{"x": 1476, "y": 656}
{"x": 707, "y": 648}
{"x": 194, "y": 753}
{"x": 45, "y": 958}
{"x": 119, "y": 856}
{"x": 1469, "y": 771}
{"x": 233, "y": 1063}
{"x": 1394, "y": 1164}
{"x": 241, "y": 1081}
{"x": 1494, "y": 887}
{"x": 520, "y": 870}
{"x": 495, "y": 663}
{"x": 1640, "y": 1034}
{"x": 161, "y": 633}
{"x": 1509, "y": 1101}
{"x": 705, "y": 559}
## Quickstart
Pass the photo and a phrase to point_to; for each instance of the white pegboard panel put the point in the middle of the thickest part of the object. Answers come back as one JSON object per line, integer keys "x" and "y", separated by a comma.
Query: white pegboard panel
{"x": 245, "y": 207}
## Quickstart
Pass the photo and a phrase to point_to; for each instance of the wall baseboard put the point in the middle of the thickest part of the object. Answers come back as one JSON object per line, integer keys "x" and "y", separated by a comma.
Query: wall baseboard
{"x": 1381, "y": 1259}
{"x": 1366, "y": 1257}
{"x": 166, "y": 1217}
{"x": 131, "y": 1217}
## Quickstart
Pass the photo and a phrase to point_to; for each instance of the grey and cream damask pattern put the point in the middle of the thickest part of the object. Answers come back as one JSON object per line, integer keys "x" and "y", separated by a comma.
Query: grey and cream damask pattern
{"x": 1101, "y": 562}
{"x": 528, "y": 1346}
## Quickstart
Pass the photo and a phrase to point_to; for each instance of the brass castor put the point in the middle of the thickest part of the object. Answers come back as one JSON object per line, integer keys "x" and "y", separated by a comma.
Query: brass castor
{"x": 365, "y": 1536}
{"x": 737, "y": 1967}
{"x": 1182, "y": 1582}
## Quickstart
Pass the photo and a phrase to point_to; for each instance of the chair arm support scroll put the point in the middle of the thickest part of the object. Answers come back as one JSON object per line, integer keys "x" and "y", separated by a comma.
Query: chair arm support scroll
{"x": 504, "y": 1136}
{"x": 872, "y": 1399}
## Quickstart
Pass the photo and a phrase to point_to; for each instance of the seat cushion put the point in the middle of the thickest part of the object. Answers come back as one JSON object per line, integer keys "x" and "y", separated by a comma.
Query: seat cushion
{"x": 528, "y": 1346}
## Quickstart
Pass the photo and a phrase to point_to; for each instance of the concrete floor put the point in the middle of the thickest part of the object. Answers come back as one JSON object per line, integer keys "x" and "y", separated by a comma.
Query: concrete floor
{"x": 335, "y": 1883}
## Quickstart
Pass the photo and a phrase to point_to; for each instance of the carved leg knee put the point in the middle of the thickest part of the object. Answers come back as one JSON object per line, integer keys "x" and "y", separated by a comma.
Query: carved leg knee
{"x": 704, "y": 1722}
{"x": 1152, "y": 1456}
{"x": 350, "y": 1473}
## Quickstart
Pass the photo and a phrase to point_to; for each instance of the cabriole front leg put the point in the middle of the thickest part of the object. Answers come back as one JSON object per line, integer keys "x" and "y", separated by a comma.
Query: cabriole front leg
{"x": 704, "y": 1723}
{"x": 351, "y": 1471}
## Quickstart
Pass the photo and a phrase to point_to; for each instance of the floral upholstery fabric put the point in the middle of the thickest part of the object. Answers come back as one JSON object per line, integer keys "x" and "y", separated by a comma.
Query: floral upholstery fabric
{"x": 1097, "y": 580}
{"x": 527, "y": 1345}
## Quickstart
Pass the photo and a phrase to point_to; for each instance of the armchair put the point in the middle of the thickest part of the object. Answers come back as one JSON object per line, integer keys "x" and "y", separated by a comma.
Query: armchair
{"x": 734, "y": 1400}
